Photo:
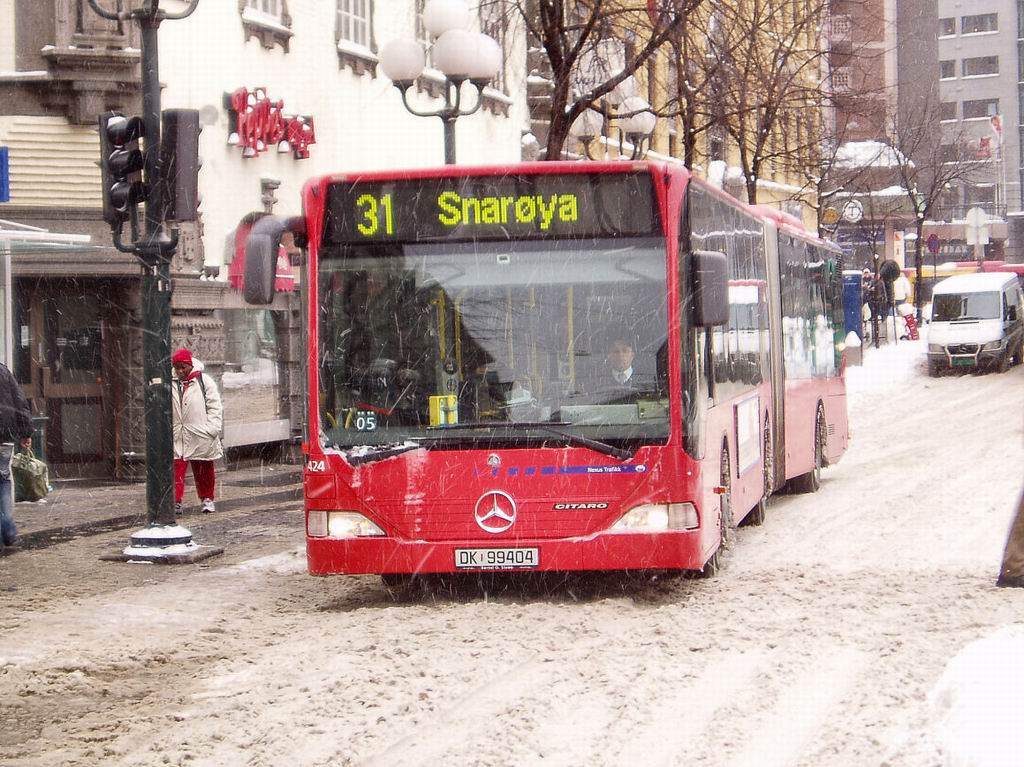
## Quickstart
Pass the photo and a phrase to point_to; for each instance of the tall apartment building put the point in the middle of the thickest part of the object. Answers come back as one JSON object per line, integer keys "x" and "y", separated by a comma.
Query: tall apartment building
{"x": 860, "y": 36}
{"x": 979, "y": 72}
{"x": 958, "y": 63}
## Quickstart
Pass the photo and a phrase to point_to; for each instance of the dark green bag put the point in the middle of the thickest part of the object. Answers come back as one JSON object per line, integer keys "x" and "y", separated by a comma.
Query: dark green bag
{"x": 31, "y": 477}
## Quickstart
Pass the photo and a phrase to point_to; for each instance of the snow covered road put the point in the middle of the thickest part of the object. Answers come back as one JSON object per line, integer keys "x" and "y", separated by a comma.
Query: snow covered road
{"x": 817, "y": 646}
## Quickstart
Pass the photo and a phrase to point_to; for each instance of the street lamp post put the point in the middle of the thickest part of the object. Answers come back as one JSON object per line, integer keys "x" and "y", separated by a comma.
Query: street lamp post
{"x": 633, "y": 117}
{"x": 461, "y": 55}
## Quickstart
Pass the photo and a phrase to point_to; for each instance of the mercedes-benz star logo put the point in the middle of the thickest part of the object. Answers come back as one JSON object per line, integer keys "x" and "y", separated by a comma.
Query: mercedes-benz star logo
{"x": 495, "y": 512}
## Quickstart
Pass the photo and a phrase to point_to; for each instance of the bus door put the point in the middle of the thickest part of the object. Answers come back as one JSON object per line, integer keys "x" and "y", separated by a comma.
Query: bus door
{"x": 771, "y": 246}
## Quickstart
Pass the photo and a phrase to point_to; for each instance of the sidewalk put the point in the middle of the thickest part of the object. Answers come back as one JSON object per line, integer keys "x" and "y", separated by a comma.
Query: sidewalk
{"x": 83, "y": 507}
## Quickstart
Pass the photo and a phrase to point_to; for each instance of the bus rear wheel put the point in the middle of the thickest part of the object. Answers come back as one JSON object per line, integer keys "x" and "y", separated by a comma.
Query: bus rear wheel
{"x": 811, "y": 481}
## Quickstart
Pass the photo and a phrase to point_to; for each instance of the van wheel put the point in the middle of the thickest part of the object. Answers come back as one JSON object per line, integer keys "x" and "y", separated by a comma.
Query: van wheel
{"x": 811, "y": 481}
{"x": 934, "y": 369}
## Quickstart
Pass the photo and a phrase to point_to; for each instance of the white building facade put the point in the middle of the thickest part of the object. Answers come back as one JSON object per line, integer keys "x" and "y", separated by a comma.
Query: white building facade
{"x": 311, "y": 63}
{"x": 319, "y": 59}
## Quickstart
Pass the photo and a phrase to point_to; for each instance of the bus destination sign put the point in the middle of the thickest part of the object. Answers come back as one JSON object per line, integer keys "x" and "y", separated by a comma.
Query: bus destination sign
{"x": 492, "y": 208}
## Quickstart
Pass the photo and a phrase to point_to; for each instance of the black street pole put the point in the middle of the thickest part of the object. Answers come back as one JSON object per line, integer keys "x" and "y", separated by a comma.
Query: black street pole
{"x": 156, "y": 251}
{"x": 448, "y": 120}
{"x": 450, "y": 112}
{"x": 162, "y": 538}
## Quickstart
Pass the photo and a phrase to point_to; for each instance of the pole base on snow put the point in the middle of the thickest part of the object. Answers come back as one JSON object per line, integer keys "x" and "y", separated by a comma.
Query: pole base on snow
{"x": 163, "y": 544}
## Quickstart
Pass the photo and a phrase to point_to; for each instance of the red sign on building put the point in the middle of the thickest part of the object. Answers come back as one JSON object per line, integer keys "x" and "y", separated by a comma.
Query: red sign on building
{"x": 256, "y": 123}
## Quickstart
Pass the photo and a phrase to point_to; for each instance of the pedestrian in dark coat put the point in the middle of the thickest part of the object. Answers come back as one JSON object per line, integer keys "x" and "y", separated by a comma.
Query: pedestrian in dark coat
{"x": 15, "y": 427}
{"x": 1012, "y": 571}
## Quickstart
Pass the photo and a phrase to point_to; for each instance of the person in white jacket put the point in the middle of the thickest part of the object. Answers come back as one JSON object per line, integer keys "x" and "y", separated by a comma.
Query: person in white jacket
{"x": 197, "y": 419}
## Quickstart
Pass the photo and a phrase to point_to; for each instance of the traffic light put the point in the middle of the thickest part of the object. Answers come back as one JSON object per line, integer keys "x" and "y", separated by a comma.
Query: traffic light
{"x": 121, "y": 165}
{"x": 179, "y": 164}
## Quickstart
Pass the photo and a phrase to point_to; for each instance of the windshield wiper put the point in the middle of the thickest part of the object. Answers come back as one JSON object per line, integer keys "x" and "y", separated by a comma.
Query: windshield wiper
{"x": 496, "y": 425}
{"x": 572, "y": 439}
{"x": 387, "y": 451}
{"x": 593, "y": 444}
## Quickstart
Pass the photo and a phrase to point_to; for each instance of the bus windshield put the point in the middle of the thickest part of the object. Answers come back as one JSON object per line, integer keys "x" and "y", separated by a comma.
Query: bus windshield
{"x": 504, "y": 343}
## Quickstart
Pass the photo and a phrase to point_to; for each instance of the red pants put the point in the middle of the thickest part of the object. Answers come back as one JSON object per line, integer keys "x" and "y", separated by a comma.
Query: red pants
{"x": 202, "y": 472}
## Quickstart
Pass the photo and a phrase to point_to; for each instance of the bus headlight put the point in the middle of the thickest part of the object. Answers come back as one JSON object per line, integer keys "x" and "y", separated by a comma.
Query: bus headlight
{"x": 992, "y": 346}
{"x": 341, "y": 524}
{"x": 657, "y": 517}
{"x": 938, "y": 348}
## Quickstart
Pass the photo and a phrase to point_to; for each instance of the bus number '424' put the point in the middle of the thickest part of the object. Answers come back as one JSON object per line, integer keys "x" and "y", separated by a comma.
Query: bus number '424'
{"x": 318, "y": 465}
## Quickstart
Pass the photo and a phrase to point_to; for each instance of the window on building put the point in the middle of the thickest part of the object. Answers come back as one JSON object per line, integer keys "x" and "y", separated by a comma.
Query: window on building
{"x": 268, "y": 21}
{"x": 841, "y": 27}
{"x": 950, "y": 153}
{"x": 841, "y": 79}
{"x": 799, "y": 150}
{"x": 947, "y": 69}
{"x": 980, "y": 194}
{"x": 268, "y": 8}
{"x": 983, "y": 22}
{"x": 947, "y": 110}
{"x": 672, "y": 82}
{"x": 947, "y": 27}
{"x": 354, "y": 22}
{"x": 980, "y": 109}
{"x": 493, "y": 23}
{"x": 716, "y": 147}
{"x": 982, "y": 65}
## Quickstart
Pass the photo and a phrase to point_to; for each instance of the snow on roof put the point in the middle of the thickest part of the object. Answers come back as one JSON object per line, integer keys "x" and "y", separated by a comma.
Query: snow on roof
{"x": 972, "y": 283}
{"x": 890, "y": 191}
{"x": 867, "y": 154}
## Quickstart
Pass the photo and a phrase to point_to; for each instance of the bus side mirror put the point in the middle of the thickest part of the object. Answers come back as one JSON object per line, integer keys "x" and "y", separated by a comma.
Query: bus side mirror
{"x": 709, "y": 288}
{"x": 261, "y": 249}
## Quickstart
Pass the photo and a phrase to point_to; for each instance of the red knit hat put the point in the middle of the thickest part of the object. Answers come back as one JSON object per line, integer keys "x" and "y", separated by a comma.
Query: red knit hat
{"x": 182, "y": 355}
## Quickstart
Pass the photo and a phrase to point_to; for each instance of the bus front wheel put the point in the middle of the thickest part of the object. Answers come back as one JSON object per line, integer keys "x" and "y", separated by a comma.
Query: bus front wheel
{"x": 714, "y": 565}
{"x": 400, "y": 586}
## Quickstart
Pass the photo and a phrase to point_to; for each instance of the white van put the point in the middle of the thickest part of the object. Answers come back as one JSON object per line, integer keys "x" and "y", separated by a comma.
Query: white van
{"x": 977, "y": 322}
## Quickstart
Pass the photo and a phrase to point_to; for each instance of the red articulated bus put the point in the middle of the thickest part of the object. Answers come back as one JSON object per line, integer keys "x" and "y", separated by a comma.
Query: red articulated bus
{"x": 553, "y": 366}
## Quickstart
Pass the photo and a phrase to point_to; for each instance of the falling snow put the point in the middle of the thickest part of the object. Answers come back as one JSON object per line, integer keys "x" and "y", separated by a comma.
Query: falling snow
{"x": 859, "y": 625}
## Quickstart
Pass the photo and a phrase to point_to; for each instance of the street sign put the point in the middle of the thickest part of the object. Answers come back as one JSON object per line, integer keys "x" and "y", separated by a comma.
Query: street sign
{"x": 853, "y": 211}
{"x": 977, "y": 226}
{"x": 933, "y": 243}
{"x": 830, "y": 216}
{"x": 5, "y": 175}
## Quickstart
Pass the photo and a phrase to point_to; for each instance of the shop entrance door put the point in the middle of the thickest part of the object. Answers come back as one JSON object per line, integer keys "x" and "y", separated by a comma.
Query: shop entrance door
{"x": 70, "y": 327}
